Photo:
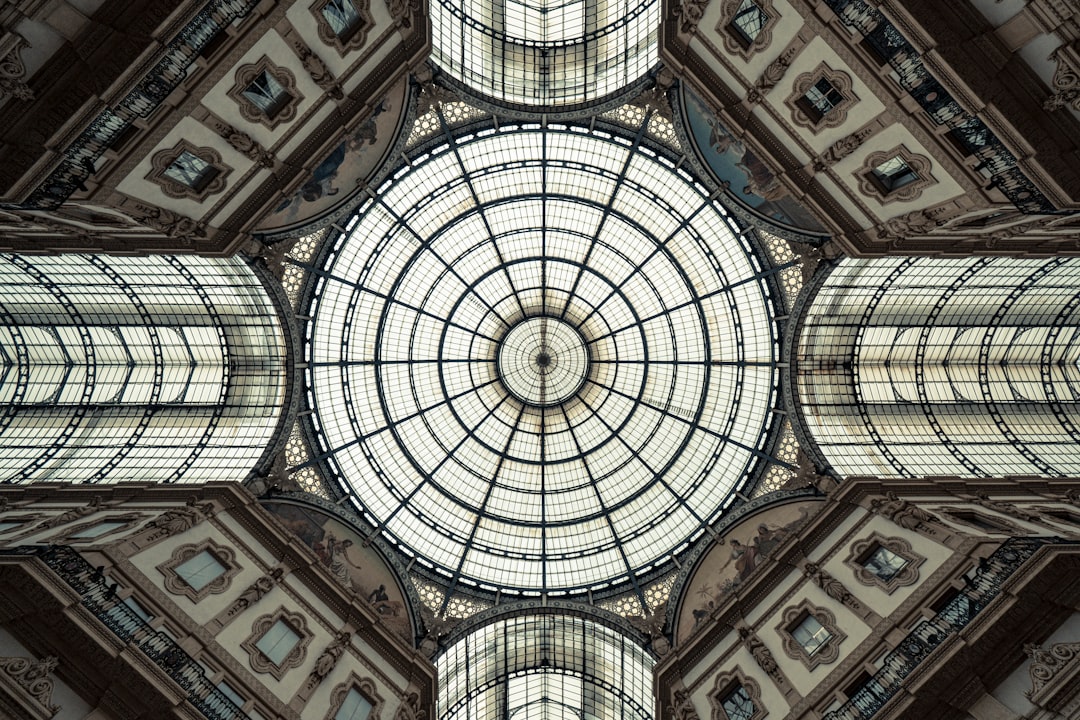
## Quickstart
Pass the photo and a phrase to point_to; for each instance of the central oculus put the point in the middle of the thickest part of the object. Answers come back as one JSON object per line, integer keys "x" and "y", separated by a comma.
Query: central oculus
{"x": 543, "y": 361}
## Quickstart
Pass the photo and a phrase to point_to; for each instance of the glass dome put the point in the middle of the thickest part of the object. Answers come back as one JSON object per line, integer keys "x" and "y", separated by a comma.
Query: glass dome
{"x": 544, "y": 53}
{"x": 542, "y": 360}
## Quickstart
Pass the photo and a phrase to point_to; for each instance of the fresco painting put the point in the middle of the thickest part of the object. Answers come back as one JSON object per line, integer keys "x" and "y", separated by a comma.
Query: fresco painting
{"x": 348, "y": 165}
{"x": 727, "y": 566}
{"x": 747, "y": 176}
{"x": 343, "y": 553}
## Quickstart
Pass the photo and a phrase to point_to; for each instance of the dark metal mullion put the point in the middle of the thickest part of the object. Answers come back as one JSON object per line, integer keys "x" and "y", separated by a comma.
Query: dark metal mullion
{"x": 426, "y": 245}
{"x": 480, "y": 209}
{"x": 483, "y": 505}
{"x": 691, "y": 363}
{"x": 638, "y": 268}
{"x": 386, "y": 298}
{"x": 696, "y": 301}
{"x": 603, "y": 507}
{"x": 707, "y": 431}
{"x": 658, "y": 476}
{"x": 361, "y": 363}
{"x": 631, "y": 153}
{"x": 384, "y": 428}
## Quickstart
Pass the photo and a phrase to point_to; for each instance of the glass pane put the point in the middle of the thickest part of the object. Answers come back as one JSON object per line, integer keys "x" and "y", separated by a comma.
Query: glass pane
{"x": 342, "y": 16}
{"x": 190, "y": 170}
{"x": 228, "y": 691}
{"x": 201, "y": 570}
{"x": 749, "y": 20}
{"x": 737, "y": 704}
{"x": 278, "y": 642}
{"x": 894, "y": 173}
{"x": 97, "y": 530}
{"x": 138, "y": 609}
{"x": 5, "y": 526}
{"x": 354, "y": 707}
{"x": 267, "y": 94}
{"x": 810, "y": 634}
{"x": 884, "y": 563}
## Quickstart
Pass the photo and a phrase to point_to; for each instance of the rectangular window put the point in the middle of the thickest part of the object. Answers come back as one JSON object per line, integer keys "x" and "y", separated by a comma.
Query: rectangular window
{"x": 191, "y": 170}
{"x": 343, "y": 18}
{"x": 748, "y": 22}
{"x": 102, "y": 528}
{"x": 894, "y": 174}
{"x": 821, "y": 99}
{"x": 267, "y": 94}
{"x": 200, "y": 570}
{"x": 737, "y": 704}
{"x": 354, "y": 707}
{"x": 228, "y": 691}
{"x": 810, "y": 634}
{"x": 137, "y": 608}
{"x": 884, "y": 563}
{"x": 277, "y": 642}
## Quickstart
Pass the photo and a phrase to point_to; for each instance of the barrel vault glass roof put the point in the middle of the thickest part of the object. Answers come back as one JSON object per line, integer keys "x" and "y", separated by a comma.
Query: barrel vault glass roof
{"x": 541, "y": 358}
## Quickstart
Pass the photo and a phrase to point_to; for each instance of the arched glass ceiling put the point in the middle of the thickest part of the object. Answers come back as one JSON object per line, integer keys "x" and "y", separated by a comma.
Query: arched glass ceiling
{"x": 541, "y": 359}
{"x": 545, "y": 667}
{"x": 543, "y": 53}
{"x": 969, "y": 367}
{"x": 153, "y": 368}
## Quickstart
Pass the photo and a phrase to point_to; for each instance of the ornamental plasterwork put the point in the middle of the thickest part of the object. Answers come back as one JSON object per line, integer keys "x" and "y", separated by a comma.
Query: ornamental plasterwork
{"x": 33, "y": 677}
{"x": 162, "y": 159}
{"x": 837, "y": 115}
{"x": 919, "y": 164}
{"x": 365, "y": 686}
{"x": 733, "y": 42}
{"x": 861, "y": 551}
{"x": 357, "y": 35}
{"x": 827, "y": 652}
{"x": 1066, "y": 83}
{"x": 12, "y": 71}
{"x": 182, "y": 553}
{"x": 247, "y": 74}
{"x": 295, "y": 657}
{"x": 725, "y": 683}
{"x": 1048, "y": 663}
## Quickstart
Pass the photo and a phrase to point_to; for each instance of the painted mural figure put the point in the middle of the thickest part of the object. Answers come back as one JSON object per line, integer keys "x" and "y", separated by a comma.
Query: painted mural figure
{"x": 746, "y": 555}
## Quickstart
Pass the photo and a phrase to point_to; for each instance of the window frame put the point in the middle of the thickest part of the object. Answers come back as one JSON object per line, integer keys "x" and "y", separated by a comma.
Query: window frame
{"x": 862, "y": 550}
{"x": 162, "y": 160}
{"x": 356, "y": 38}
{"x": 125, "y": 522}
{"x": 246, "y": 76}
{"x": 728, "y": 682}
{"x": 177, "y": 585}
{"x": 806, "y": 114}
{"x": 259, "y": 661}
{"x": 870, "y": 176}
{"x": 365, "y": 686}
{"x": 736, "y": 40}
{"x": 824, "y": 654}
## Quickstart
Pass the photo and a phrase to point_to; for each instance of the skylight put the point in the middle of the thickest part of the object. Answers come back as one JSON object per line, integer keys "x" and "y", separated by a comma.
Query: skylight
{"x": 542, "y": 359}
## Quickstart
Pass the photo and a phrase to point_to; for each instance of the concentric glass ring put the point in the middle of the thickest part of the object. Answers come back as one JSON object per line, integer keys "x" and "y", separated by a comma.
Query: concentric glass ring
{"x": 430, "y": 323}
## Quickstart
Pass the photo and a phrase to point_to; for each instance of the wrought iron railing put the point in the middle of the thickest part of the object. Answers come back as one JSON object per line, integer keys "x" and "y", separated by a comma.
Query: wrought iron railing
{"x": 971, "y": 132}
{"x": 981, "y": 589}
{"x": 77, "y": 162}
{"x": 99, "y": 597}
